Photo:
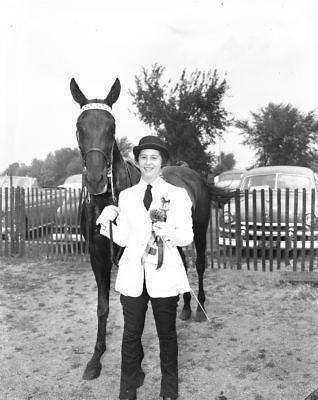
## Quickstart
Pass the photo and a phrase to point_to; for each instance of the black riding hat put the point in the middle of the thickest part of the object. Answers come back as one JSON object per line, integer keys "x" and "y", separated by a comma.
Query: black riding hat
{"x": 151, "y": 142}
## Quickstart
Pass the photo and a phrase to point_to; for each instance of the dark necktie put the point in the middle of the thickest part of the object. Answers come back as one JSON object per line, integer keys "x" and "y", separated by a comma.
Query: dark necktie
{"x": 148, "y": 197}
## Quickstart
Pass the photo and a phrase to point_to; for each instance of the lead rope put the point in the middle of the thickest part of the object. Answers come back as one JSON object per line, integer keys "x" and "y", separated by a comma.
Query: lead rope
{"x": 114, "y": 199}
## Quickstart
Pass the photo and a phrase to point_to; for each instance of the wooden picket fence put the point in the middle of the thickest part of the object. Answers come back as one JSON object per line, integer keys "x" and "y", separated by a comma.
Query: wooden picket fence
{"x": 262, "y": 230}
{"x": 41, "y": 223}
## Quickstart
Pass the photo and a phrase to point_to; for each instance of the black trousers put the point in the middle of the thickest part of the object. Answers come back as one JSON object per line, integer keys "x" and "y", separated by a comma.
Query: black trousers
{"x": 164, "y": 311}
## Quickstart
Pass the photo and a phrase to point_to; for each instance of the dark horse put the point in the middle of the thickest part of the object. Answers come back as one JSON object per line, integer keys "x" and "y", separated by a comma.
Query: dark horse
{"x": 105, "y": 174}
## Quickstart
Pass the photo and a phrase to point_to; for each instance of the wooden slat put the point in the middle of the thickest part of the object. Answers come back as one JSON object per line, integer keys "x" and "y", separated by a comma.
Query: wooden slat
{"x": 47, "y": 220}
{"x": 312, "y": 222}
{"x": 70, "y": 223}
{"x": 270, "y": 212}
{"x": 238, "y": 236}
{"x": 230, "y": 211}
{"x": 303, "y": 230}
{"x": 1, "y": 221}
{"x": 287, "y": 238}
{"x": 255, "y": 244}
{"x": 279, "y": 227}
{"x": 55, "y": 205}
{"x": 12, "y": 229}
{"x": 295, "y": 230}
{"x": 37, "y": 219}
{"x": 64, "y": 244}
{"x": 247, "y": 248}
{"x": 224, "y": 259}
{"x": 27, "y": 217}
{"x": 217, "y": 236}
{"x": 263, "y": 249}
{"x": 6, "y": 222}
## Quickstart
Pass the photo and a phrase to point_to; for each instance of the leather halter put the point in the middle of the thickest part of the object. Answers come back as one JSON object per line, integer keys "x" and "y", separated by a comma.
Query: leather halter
{"x": 107, "y": 170}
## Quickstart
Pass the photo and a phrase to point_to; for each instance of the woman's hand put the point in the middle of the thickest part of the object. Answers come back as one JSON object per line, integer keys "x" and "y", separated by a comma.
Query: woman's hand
{"x": 109, "y": 213}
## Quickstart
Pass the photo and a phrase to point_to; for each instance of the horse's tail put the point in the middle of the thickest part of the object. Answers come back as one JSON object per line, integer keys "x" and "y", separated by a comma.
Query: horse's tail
{"x": 221, "y": 196}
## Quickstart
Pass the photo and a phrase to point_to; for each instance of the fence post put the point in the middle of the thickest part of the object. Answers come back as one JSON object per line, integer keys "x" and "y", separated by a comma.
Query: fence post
{"x": 263, "y": 239}
{"x": 279, "y": 228}
{"x": 23, "y": 223}
{"x": 247, "y": 228}
{"x": 312, "y": 233}
{"x": 303, "y": 230}
{"x": 287, "y": 238}
{"x": 295, "y": 230}
{"x": 270, "y": 217}
{"x": 255, "y": 244}
{"x": 238, "y": 236}
{"x": 1, "y": 221}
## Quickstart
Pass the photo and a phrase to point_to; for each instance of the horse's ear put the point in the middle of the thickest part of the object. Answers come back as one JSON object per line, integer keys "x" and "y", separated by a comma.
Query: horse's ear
{"x": 113, "y": 94}
{"x": 77, "y": 94}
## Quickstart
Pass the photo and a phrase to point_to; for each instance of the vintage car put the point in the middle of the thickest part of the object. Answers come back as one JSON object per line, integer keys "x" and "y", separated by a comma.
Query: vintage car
{"x": 72, "y": 182}
{"x": 277, "y": 207}
{"x": 27, "y": 210}
{"x": 67, "y": 222}
{"x": 229, "y": 179}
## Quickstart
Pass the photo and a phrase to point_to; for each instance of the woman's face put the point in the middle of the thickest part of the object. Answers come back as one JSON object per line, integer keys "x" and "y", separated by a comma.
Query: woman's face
{"x": 150, "y": 162}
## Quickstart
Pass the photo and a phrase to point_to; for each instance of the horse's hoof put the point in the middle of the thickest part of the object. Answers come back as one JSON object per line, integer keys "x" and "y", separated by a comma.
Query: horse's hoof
{"x": 199, "y": 316}
{"x": 92, "y": 371}
{"x": 185, "y": 314}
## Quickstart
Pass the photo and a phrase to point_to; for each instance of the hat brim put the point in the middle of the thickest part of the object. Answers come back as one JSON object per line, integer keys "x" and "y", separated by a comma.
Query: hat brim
{"x": 163, "y": 150}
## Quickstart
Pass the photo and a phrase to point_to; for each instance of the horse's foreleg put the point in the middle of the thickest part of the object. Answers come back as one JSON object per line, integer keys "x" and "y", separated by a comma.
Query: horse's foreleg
{"x": 186, "y": 309}
{"x": 94, "y": 366}
{"x": 102, "y": 276}
{"x": 200, "y": 245}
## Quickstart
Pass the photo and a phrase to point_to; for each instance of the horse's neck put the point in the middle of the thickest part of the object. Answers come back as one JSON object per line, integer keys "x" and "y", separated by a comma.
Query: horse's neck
{"x": 125, "y": 174}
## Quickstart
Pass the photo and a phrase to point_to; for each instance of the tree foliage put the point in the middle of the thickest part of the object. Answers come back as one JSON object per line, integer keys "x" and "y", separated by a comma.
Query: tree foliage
{"x": 125, "y": 146}
{"x": 281, "y": 135}
{"x": 226, "y": 163}
{"x": 57, "y": 166}
{"x": 188, "y": 115}
{"x": 53, "y": 170}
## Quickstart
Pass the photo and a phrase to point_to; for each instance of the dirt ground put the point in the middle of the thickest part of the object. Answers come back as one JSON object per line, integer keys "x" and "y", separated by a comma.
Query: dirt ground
{"x": 261, "y": 344}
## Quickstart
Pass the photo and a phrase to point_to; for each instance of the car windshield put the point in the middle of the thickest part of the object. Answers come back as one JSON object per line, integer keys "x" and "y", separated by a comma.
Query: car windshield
{"x": 259, "y": 181}
{"x": 293, "y": 181}
{"x": 284, "y": 181}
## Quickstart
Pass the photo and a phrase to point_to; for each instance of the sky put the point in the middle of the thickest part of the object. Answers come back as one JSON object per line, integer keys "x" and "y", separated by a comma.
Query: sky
{"x": 267, "y": 51}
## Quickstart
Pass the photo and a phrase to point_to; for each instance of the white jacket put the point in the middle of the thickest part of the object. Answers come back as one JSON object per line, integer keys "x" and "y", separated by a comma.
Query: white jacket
{"x": 133, "y": 231}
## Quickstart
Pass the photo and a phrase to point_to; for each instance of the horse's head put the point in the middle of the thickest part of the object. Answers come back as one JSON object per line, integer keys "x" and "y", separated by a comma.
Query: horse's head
{"x": 96, "y": 136}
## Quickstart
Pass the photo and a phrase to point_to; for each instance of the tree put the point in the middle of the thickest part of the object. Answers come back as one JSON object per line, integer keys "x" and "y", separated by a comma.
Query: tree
{"x": 53, "y": 170}
{"x": 226, "y": 162}
{"x": 281, "y": 135}
{"x": 125, "y": 146}
{"x": 74, "y": 166}
{"x": 13, "y": 169}
{"x": 188, "y": 115}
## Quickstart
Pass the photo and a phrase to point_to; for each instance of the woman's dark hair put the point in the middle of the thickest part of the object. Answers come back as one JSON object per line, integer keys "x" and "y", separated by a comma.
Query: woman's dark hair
{"x": 163, "y": 158}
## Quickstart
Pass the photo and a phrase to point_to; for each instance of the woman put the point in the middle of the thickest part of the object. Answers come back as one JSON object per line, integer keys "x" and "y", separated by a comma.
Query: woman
{"x": 153, "y": 217}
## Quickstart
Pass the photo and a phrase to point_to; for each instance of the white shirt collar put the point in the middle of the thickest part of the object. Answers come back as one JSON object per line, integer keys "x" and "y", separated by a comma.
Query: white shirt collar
{"x": 156, "y": 183}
